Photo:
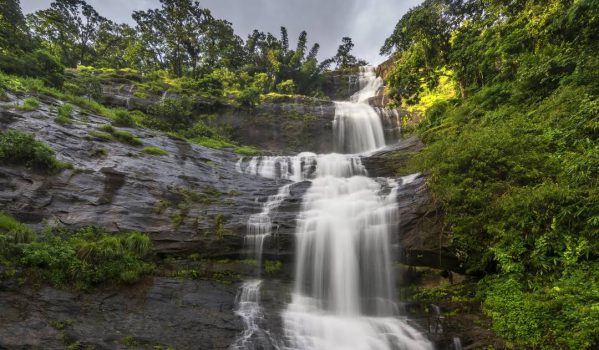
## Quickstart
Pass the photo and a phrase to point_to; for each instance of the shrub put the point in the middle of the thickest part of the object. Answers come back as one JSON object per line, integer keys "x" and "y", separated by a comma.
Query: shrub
{"x": 205, "y": 86}
{"x": 123, "y": 118}
{"x": 249, "y": 97}
{"x": 199, "y": 129}
{"x": 38, "y": 64}
{"x": 247, "y": 151}
{"x": 127, "y": 137}
{"x": 88, "y": 257}
{"x": 17, "y": 148}
{"x": 171, "y": 114}
{"x": 12, "y": 233}
{"x": 29, "y": 104}
{"x": 120, "y": 135}
{"x": 155, "y": 151}
{"x": 212, "y": 142}
{"x": 286, "y": 87}
{"x": 65, "y": 113}
{"x": 102, "y": 136}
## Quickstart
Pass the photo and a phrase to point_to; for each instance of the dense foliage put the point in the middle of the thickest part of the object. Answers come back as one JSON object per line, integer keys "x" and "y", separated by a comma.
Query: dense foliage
{"x": 514, "y": 160}
{"x": 82, "y": 259}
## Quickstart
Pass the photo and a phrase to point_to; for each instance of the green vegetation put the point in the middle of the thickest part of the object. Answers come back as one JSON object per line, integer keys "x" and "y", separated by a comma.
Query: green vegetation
{"x": 513, "y": 154}
{"x": 120, "y": 135}
{"x": 29, "y": 104}
{"x": 123, "y": 118}
{"x": 271, "y": 267}
{"x": 155, "y": 151}
{"x": 80, "y": 260}
{"x": 65, "y": 114}
{"x": 17, "y": 148}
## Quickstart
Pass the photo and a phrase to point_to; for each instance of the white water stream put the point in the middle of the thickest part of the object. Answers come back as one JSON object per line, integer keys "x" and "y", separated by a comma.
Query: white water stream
{"x": 344, "y": 291}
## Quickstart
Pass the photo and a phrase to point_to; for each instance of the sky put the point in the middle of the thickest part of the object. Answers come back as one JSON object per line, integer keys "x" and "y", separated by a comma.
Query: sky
{"x": 367, "y": 22}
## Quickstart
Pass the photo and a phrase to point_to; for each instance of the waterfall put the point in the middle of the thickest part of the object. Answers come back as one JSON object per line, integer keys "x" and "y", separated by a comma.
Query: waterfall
{"x": 357, "y": 126}
{"x": 259, "y": 228}
{"x": 260, "y": 225}
{"x": 344, "y": 291}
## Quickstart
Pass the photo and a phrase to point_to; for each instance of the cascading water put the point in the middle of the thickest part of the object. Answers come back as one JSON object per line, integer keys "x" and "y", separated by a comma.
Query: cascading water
{"x": 259, "y": 228}
{"x": 344, "y": 293}
{"x": 357, "y": 127}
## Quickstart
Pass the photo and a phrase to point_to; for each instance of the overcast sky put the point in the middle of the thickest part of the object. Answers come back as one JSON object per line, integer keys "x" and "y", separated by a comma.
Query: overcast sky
{"x": 367, "y": 22}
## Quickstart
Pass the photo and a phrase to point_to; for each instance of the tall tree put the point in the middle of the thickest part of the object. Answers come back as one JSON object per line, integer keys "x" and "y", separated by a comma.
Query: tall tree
{"x": 185, "y": 37}
{"x": 13, "y": 27}
{"x": 344, "y": 58}
{"x": 69, "y": 28}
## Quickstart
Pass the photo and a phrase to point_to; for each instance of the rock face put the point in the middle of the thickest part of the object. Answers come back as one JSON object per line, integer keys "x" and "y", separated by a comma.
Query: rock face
{"x": 282, "y": 128}
{"x": 339, "y": 85}
{"x": 175, "y": 198}
{"x": 162, "y": 313}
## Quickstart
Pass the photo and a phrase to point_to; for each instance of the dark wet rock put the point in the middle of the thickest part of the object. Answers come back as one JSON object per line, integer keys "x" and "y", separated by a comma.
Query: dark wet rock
{"x": 282, "y": 128}
{"x": 340, "y": 86}
{"x": 162, "y": 312}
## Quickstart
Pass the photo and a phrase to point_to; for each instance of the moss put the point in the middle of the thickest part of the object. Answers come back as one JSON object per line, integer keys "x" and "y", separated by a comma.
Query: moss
{"x": 219, "y": 226}
{"x": 155, "y": 151}
{"x": 271, "y": 267}
{"x": 129, "y": 342}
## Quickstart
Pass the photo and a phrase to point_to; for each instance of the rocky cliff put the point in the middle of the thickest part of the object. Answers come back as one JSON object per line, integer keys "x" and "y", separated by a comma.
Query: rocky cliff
{"x": 191, "y": 200}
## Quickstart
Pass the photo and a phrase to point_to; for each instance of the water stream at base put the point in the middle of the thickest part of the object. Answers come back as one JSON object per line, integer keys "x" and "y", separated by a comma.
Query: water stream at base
{"x": 344, "y": 291}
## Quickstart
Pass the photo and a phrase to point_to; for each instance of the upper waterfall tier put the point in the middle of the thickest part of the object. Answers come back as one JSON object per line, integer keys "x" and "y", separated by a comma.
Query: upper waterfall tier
{"x": 357, "y": 126}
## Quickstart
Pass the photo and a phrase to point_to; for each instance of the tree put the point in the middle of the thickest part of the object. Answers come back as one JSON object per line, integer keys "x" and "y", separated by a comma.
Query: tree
{"x": 69, "y": 28}
{"x": 186, "y": 38}
{"x": 421, "y": 40}
{"x": 344, "y": 58}
{"x": 13, "y": 27}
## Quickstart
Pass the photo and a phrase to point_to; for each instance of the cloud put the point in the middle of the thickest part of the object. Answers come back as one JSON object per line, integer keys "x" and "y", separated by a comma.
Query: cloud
{"x": 326, "y": 21}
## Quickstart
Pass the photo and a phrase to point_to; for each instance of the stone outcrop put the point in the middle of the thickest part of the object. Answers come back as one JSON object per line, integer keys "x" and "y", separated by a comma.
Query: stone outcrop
{"x": 175, "y": 198}
{"x": 160, "y": 313}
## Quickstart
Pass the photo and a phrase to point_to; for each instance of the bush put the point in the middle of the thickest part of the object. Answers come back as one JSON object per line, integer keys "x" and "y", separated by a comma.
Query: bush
{"x": 155, "y": 151}
{"x": 88, "y": 257}
{"x": 286, "y": 87}
{"x": 123, "y": 118}
{"x": 120, "y": 135}
{"x": 101, "y": 136}
{"x": 17, "y": 148}
{"x": 127, "y": 137}
{"x": 65, "y": 114}
{"x": 247, "y": 151}
{"x": 205, "y": 86}
{"x": 249, "y": 97}
{"x": 38, "y": 64}
{"x": 29, "y": 104}
{"x": 12, "y": 234}
{"x": 561, "y": 315}
{"x": 171, "y": 114}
